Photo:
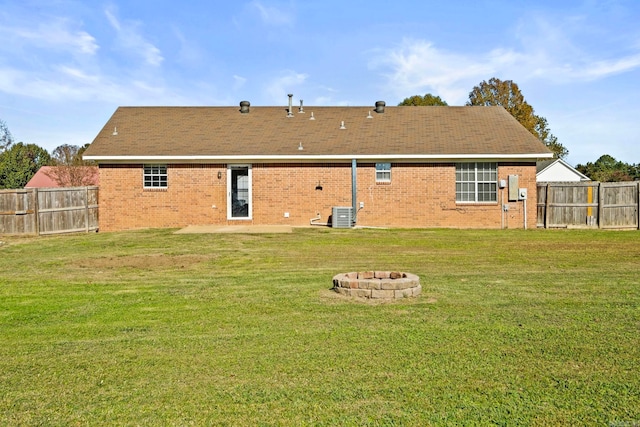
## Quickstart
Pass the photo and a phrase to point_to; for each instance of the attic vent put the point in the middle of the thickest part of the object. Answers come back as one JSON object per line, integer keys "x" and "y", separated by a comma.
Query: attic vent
{"x": 380, "y": 107}
{"x": 244, "y": 107}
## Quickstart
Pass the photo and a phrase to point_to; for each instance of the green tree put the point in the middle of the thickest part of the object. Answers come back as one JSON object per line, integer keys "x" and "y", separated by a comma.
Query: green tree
{"x": 5, "y": 137}
{"x": 426, "y": 100}
{"x": 551, "y": 141}
{"x": 608, "y": 169}
{"x": 20, "y": 162}
{"x": 508, "y": 95}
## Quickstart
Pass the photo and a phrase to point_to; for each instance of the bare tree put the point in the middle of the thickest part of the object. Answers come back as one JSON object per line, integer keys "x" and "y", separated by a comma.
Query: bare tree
{"x": 70, "y": 170}
{"x": 5, "y": 137}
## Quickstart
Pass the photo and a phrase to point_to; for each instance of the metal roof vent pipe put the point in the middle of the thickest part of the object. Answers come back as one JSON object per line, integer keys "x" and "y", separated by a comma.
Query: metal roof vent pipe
{"x": 244, "y": 107}
{"x": 380, "y": 107}
{"x": 290, "y": 113}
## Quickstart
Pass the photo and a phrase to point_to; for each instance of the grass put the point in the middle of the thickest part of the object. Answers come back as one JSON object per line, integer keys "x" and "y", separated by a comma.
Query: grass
{"x": 513, "y": 327}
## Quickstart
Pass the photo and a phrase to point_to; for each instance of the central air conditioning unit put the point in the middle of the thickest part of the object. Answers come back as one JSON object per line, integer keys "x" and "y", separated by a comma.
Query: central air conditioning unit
{"x": 342, "y": 217}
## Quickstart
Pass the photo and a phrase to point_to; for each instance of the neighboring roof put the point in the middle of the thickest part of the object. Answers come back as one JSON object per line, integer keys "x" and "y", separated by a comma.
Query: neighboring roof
{"x": 266, "y": 133}
{"x": 43, "y": 177}
{"x": 557, "y": 170}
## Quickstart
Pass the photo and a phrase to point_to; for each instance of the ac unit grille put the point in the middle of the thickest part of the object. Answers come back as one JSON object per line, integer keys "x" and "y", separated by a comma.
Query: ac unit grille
{"x": 342, "y": 217}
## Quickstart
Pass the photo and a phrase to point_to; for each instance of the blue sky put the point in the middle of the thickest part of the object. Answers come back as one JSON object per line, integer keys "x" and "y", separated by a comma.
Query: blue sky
{"x": 66, "y": 65}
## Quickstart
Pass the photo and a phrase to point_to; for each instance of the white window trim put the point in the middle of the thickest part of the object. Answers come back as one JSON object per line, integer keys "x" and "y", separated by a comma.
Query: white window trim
{"x": 152, "y": 174}
{"x": 475, "y": 184}
{"x": 383, "y": 172}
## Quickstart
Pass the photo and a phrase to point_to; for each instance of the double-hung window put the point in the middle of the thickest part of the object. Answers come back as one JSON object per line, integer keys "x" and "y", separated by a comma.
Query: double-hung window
{"x": 383, "y": 172}
{"x": 155, "y": 176}
{"x": 477, "y": 182}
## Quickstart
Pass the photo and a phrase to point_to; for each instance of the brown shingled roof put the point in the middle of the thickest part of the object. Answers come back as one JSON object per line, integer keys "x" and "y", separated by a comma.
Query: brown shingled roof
{"x": 214, "y": 132}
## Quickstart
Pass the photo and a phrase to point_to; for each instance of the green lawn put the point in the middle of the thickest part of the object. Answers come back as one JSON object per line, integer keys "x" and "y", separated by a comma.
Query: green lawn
{"x": 514, "y": 327}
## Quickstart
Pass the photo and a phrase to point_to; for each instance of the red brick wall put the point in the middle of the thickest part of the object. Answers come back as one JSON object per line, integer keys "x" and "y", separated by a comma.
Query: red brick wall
{"x": 419, "y": 195}
{"x": 192, "y": 192}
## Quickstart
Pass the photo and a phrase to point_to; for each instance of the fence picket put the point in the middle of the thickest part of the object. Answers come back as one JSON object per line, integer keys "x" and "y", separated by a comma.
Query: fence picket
{"x": 48, "y": 210}
{"x": 561, "y": 205}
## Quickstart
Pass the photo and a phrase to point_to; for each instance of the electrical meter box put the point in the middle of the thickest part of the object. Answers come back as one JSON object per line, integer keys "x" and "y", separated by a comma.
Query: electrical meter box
{"x": 513, "y": 188}
{"x": 522, "y": 194}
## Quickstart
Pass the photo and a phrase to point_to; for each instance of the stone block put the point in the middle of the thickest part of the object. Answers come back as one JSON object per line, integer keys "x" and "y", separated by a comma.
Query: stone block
{"x": 375, "y": 284}
{"x": 417, "y": 290}
{"x": 382, "y": 293}
{"x": 403, "y": 293}
{"x": 367, "y": 284}
{"x": 387, "y": 284}
{"x": 343, "y": 291}
{"x": 395, "y": 275}
{"x": 382, "y": 274}
{"x": 366, "y": 275}
{"x": 361, "y": 293}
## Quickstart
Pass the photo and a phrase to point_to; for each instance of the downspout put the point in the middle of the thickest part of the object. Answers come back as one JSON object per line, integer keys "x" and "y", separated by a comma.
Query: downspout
{"x": 354, "y": 192}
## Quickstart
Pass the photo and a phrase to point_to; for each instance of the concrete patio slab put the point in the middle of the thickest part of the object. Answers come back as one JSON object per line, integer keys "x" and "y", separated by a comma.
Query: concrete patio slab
{"x": 246, "y": 229}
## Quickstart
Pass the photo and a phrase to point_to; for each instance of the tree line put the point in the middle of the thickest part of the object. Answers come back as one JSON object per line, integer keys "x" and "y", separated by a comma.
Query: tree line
{"x": 508, "y": 95}
{"x": 19, "y": 162}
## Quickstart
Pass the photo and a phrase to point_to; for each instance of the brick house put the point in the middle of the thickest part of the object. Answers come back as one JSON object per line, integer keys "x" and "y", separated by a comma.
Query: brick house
{"x": 458, "y": 167}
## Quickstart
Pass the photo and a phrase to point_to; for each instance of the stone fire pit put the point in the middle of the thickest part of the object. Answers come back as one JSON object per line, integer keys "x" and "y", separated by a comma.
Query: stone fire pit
{"x": 377, "y": 284}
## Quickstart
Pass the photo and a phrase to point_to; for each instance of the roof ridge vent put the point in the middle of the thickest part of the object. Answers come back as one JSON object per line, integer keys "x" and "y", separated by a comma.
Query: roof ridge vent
{"x": 380, "y": 107}
{"x": 342, "y": 126}
{"x": 312, "y": 118}
{"x": 301, "y": 109}
{"x": 244, "y": 107}
{"x": 369, "y": 116}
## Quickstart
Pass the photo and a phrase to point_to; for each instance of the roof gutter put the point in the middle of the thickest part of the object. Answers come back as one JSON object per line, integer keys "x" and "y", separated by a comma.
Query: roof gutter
{"x": 322, "y": 157}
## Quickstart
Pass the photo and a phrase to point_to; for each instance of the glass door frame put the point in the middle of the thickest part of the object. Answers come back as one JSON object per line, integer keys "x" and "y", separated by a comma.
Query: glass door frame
{"x": 233, "y": 191}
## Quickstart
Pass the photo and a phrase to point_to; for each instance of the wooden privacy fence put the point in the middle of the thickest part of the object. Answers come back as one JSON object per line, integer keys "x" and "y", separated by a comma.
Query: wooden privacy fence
{"x": 48, "y": 210}
{"x": 613, "y": 205}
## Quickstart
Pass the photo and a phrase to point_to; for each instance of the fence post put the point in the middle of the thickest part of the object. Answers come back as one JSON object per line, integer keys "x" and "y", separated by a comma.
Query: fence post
{"x": 36, "y": 212}
{"x": 600, "y": 205}
{"x": 86, "y": 209}
{"x": 638, "y": 205}
{"x": 546, "y": 208}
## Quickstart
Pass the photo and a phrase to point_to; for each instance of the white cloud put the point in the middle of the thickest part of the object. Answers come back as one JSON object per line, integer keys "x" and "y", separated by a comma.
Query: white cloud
{"x": 130, "y": 39}
{"x": 56, "y": 35}
{"x": 271, "y": 15}
{"x": 189, "y": 51}
{"x": 417, "y": 66}
{"x": 572, "y": 48}
{"x": 277, "y": 90}
{"x": 601, "y": 69}
{"x": 238, "y": 82}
